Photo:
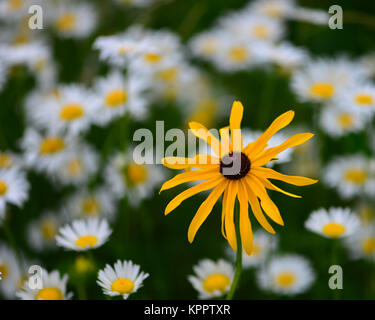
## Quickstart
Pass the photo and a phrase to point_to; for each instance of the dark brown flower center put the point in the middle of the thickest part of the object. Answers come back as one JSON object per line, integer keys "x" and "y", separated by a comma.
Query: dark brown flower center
{"x": 235, "y": 165}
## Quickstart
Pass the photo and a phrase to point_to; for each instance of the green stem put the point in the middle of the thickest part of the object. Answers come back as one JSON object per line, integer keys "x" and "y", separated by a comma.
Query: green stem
{"x": 9, "y": 235}
{"x": 238, "y": 271}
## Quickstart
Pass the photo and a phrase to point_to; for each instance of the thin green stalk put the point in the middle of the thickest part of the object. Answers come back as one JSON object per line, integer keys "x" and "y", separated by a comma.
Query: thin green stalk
{"x": 238, "y": 271}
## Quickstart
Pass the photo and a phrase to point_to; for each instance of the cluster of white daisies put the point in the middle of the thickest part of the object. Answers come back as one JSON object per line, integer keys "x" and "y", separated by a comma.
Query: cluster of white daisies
{"x": 146, "y": 67}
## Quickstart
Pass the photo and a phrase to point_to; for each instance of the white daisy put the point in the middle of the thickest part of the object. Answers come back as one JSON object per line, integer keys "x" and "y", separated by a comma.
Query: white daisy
{"x": 263, "y": 245}
{"x": 212, "y": 279}
{"x": 54, "y": 288}
{"x": 123, "y": 279}
{"x": 272, "y": 8}
{"x": 362, "y": 243}
{"x": 80, "y": 164}
{"x": 237, "y": 54}
{"x": 10, "y": 272}
{"x": 118, "y": 50}
{"x": 83, "y": 235}
{"x": 97, "y": 203}
{"x": 155, "y": 51}
{"x": 11, "y": 10}
{"x": 315, "y": 16}
{"x": 24, "y": 53}
{"x": 337, "y": 122}
{"x": 72, "y": 110}
{"x": 14, "y": 188}
{"x": 349, "y": 175}
{"x": 42, "y": 231}
{"x": 333, "y": 223}
{"x": 359, "y": 98}
{"x": 45, "y": 152}
{"x": 73, "y": 20}
{"x": 125, "y": 177}
{"x": 322, "y": 79}
{"x": 287, "y": 275}
{"x": 288, "y": 57}
{"x": 9, "y": 160}
{"x": 252, "y": 27}
{"x": 118, "y": 95}
{"x": 207, "y": 43}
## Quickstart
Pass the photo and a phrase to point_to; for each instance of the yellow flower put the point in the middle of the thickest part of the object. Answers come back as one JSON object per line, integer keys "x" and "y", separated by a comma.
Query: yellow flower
{"x": 249, "y": 184}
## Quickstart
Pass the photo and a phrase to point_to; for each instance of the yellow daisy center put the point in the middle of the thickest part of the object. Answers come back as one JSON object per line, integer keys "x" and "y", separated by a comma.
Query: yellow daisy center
{"x": 123, "y": 285}
{"x": 238, "y": 54}
{"x": 49, "y": 294}
{"x": 66, "y": 22}
{"x": 261, "y": 32}
{"x": 323, "y": 90}
{"x": 116, "y": 98}
{"x": 21, "y": 39}
{"x": 152, "y": 58}
{"x": 3, "y": 270}
{"x": 83, "y": 264}
{"x": 90, "y": 206}
{"x": 5, "y": 161}
{"x": 15, "y": 4}
{"x": 52, "y": 145}
{"x": 40, "y": 65}
{"x": 285, "y": 279}
{"x": 136, "y": 174}
{"x": 168, "y": 75}
{"x": 216, "y": 282}
{"x": 364, "y": 99}
{"x": 334, "y": 230}
{"x": 273, "y": 10}
{"x": 87, "y": 241}
{"x": 209, "y": 47}
{"x": 357, "y": 176}
{"x": 346, "y": 120}
{"x": 3, "y": 188}
{"x": 49, "y": 229}
{"x": 71, "y": 112}
{"x": 74, "y": 167}
{"x": 121, "y": 51}
{"x": 368, "y": 245}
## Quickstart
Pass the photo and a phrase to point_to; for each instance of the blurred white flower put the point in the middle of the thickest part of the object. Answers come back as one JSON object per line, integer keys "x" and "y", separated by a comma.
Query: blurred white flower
{"x": 212, "y": 279}
{"x": 287, "y": 275}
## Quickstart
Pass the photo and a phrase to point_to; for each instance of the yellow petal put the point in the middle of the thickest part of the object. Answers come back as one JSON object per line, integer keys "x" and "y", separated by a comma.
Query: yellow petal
{"x": 272, "y": 174}
{"x": 280, "y": 122}
{"x": 197, "y": 175}
{"x": 257, "y": 211}
{"x": 203, "y": 133}
{"x": 273, "y": 152}
{"x": 207, "y": 185}
{"x": 271, "y": 186}
{"x": 224, "y": 205}
{"x": 205, "y": 209}
{"x": 236, "y": 115}
{"x": 235, "y": 125}
{"x": 203, "y": 161}
{"x": 245, "y": 224}
{"x": 267, "y": 204}
{"x": 225, "y": 142}
{"x": 229, "y": 215}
